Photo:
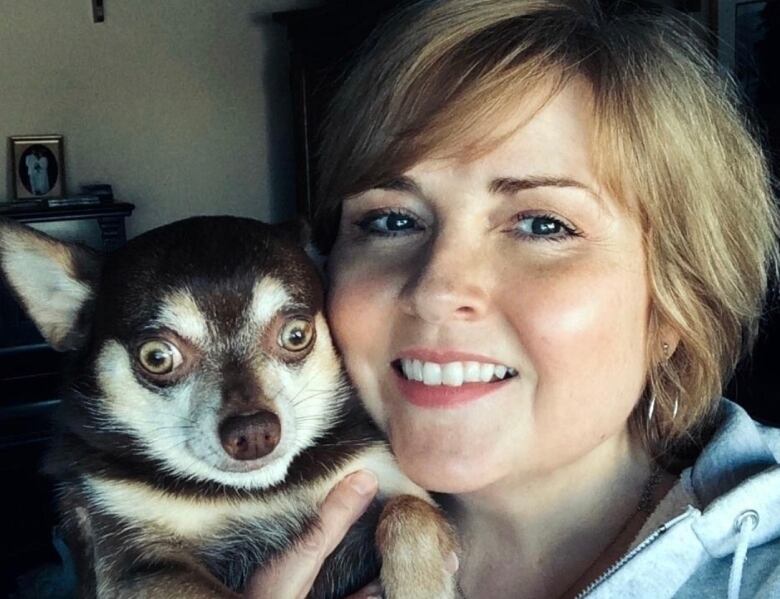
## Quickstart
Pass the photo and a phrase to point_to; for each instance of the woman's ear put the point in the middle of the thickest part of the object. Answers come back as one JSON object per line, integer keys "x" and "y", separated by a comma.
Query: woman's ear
{"x": 669, "y": 341}
{"x": 52, "y": 280}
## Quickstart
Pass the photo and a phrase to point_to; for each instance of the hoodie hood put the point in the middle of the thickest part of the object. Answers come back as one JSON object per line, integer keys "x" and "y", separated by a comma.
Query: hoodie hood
{"x": 723, "y": 538}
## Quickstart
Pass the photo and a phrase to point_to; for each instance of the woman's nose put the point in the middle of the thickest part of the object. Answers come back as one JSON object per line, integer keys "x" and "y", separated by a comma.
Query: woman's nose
{"x": 447, "y": 283}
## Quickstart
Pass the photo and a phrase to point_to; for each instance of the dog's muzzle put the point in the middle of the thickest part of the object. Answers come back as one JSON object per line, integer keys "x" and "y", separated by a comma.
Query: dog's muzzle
{"x": 250, "y": 436}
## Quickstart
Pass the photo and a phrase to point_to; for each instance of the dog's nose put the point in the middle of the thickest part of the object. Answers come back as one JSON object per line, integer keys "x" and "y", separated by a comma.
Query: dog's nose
{"x": 251, "y": 436}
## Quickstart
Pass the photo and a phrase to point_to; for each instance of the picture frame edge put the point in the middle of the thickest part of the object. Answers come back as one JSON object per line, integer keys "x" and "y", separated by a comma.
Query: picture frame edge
{"x": 56, "y": 139}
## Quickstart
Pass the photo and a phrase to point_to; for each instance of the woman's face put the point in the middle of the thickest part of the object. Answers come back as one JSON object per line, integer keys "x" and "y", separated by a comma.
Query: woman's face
{"x": 518, "y": 259}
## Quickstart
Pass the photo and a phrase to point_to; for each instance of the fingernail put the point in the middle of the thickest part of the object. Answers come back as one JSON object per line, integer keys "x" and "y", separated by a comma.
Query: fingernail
{"x": 363, "y": 482}
{"x": 451, "y": 563}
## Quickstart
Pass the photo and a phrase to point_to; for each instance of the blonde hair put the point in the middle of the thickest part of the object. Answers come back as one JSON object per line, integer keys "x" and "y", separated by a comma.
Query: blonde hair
{"x": 669, "y": 141}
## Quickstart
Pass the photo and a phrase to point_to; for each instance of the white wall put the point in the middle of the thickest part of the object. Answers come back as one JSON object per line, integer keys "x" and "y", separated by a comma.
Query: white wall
{"x": 182, "y": 105}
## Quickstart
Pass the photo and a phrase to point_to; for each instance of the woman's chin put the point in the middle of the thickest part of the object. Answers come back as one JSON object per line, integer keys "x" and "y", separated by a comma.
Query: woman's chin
{"x": 455, "y": 451}
{"x": 448, "y": 474}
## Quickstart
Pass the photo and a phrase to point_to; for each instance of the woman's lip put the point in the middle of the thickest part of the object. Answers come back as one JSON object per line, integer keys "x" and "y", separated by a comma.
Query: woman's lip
{"x": 443, "y": 356}
{"x": 443, "y": 396}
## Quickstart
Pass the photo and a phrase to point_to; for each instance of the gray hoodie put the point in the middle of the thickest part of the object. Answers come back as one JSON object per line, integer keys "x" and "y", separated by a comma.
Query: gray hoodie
{"x": 717, "y": 532}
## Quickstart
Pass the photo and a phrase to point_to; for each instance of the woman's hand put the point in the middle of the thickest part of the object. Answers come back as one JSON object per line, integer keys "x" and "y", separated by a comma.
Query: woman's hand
{"x": 292, "y": 576}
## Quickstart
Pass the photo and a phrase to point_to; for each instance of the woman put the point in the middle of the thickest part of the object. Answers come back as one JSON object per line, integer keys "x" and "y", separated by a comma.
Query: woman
{"x": 549, "y": 238}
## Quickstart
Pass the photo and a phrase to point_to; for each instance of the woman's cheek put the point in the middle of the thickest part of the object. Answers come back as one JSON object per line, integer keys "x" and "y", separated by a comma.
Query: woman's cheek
{"x": 358, "y": 317}
{"x": 581, "y": 339}
{"x": 352, "y": 302}
{"x": 354, "y": 307}
{"x": 364, "y": 286}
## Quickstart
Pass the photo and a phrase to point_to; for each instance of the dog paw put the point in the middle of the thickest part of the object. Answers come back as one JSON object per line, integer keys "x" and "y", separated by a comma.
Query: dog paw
{"x": 417, "y": 545}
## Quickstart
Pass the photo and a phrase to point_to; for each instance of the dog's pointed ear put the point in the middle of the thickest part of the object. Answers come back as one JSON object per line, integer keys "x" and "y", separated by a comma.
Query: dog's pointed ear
{"x": 299, "y": 230}
{"x": 53, "y": 281}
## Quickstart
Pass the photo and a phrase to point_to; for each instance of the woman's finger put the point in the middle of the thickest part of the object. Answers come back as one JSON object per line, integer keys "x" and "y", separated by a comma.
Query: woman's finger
{"x": 292, "y": 575}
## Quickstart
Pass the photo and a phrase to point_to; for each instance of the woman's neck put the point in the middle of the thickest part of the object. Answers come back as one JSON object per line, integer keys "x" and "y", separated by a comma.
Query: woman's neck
{"x": 544, "y": 533}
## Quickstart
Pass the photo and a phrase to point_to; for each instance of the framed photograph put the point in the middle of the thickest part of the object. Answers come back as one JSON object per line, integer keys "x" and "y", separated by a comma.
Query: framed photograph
{"x": 39, "y": 171}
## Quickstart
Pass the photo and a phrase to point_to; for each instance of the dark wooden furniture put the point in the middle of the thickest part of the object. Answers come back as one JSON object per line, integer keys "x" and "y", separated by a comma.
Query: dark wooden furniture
{"x": 323, "y": 41}
{"x": 30, "y": 379}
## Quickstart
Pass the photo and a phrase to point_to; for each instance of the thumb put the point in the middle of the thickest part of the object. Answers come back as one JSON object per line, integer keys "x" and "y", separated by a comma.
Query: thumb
{"x": 292, "y": 575}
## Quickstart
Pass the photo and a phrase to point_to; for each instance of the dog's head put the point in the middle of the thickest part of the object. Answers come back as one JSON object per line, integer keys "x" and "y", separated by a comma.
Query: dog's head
{"x": 202, "y": 344}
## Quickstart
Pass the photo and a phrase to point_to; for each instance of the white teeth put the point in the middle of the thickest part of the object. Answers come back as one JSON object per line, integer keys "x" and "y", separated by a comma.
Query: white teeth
{"x": 408, "y": 368}
{"x": 453, "y": 374}
{"x": 486, "y": 372}
{"x": 417, "y": 370}
{"x": 471, "y": 372}
{"x": 431, "y": 373}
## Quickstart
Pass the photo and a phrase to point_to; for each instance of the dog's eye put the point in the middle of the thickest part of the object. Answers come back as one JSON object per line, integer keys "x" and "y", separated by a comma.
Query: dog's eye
{"x": 159, "y": 357}
{"x": 297, "y": 334}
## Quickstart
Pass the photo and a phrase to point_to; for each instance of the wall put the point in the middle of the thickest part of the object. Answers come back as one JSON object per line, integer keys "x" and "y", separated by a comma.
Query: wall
{"x": 182, "y": 105}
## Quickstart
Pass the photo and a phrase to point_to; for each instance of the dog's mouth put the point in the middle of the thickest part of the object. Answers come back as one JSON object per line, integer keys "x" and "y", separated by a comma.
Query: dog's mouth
{"x": 452, "y": 374}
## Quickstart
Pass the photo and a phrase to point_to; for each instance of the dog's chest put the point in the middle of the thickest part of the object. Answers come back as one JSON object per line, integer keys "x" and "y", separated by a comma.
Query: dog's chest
{"x": 233, "y": 552}
{"x": 240, "y": 548}
{"x": 230, "y": 535}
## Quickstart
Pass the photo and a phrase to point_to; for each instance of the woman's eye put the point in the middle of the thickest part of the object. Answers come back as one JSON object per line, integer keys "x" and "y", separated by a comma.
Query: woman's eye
{"x": 543, "y": 226}
{"x": 388, "y": 223}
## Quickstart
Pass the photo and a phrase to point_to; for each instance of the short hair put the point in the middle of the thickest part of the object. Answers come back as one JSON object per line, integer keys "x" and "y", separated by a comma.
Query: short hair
{"x": 669, "y": 142}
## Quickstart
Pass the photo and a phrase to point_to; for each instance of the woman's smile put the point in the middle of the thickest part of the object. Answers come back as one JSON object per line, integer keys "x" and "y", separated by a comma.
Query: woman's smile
{"x": 431, "y": 378}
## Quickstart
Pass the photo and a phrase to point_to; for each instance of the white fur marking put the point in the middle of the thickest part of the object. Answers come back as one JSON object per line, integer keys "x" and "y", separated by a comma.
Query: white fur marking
{"x": 268, "y": 297}
{"x": 392, "y": 481}
{"x": 51, "y": 295}
{"x": 315, "y": 388}
{"x": 198, "y": 517}
{"x": 180, "y": 313}
{"x": 188, "y": 517}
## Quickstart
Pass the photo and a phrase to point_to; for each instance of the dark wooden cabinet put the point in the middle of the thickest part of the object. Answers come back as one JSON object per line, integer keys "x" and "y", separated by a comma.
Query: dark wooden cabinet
{"x": 323, "y": 43}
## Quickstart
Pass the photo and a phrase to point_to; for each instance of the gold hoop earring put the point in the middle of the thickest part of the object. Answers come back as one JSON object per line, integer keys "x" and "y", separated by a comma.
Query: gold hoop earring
{"x": 650, "y": 410}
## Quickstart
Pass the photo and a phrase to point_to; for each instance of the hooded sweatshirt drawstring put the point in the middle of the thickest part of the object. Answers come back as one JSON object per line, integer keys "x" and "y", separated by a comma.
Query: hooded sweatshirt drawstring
{"x": 722, "y": 509}
{"x": 744, "y": 525}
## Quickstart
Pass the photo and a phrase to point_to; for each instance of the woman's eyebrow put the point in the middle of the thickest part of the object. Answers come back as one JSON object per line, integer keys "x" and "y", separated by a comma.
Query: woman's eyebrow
{"x": 512, "y": 185}
{"x": 401, "y": 183}
{"x": 499, "y": 186}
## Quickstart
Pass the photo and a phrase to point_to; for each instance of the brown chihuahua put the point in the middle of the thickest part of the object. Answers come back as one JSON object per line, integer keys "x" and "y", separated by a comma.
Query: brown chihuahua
{"x": 208, "y": 415}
